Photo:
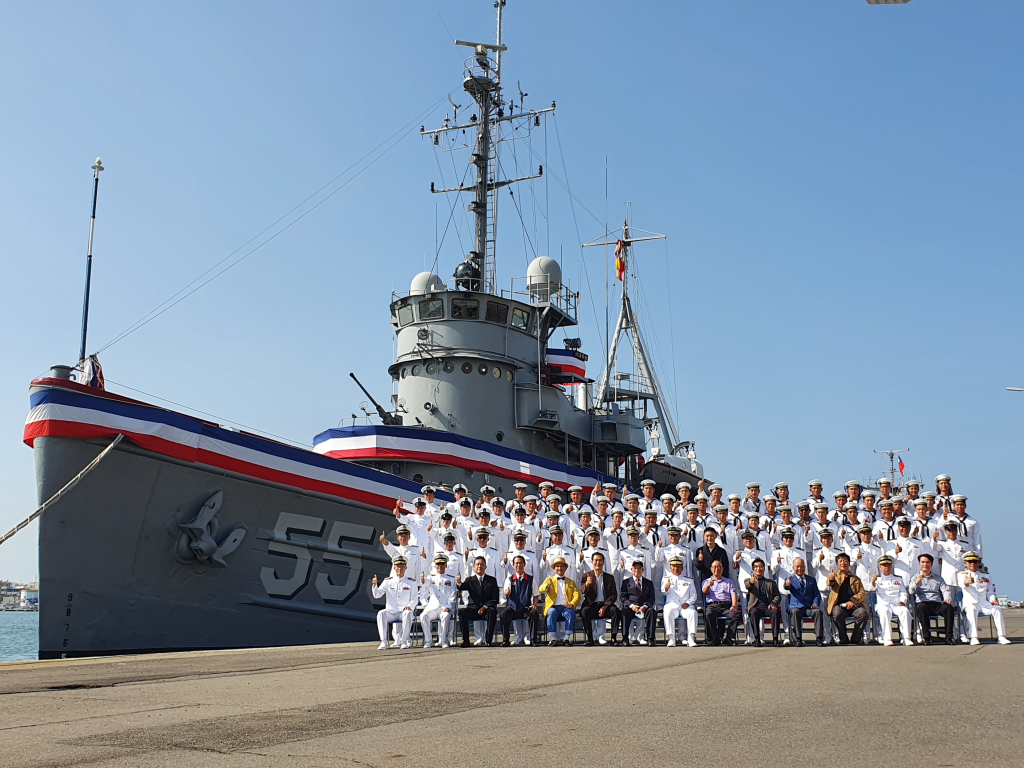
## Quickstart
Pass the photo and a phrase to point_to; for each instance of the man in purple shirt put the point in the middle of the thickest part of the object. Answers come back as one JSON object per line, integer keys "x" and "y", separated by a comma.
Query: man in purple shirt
{"x": 721, "y": 600}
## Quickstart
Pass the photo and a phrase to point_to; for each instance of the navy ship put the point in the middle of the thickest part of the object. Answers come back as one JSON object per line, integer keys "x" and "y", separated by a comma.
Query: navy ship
{"x": 163, "y": 531}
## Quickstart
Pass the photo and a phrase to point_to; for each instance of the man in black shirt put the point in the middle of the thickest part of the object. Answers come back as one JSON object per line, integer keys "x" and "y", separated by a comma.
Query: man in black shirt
{"x": 709, "y": 553}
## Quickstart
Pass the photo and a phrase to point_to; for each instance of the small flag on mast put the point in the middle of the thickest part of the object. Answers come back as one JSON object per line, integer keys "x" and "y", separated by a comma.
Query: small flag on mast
{"x": 901, "y": 465}
{"x": 620, "y": 262}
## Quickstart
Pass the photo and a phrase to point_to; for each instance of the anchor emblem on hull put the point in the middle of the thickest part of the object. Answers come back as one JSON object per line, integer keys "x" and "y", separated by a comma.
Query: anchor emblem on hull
{"x": 198, "y": 541}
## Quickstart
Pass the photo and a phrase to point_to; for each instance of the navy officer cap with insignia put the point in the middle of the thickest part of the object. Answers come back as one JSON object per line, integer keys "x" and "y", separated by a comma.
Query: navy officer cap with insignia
{"x": 440, "y": 559}
{"x": 557, "y": 529}
{"x": 403, "y": 529}
{"x": 885, "y": 560}
{"x": 519, "y": 535}
{"x": 401, "y": 561}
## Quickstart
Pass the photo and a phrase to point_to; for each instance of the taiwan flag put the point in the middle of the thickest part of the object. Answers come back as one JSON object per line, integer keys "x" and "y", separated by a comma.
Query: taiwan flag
{"x": 901, "y": 465}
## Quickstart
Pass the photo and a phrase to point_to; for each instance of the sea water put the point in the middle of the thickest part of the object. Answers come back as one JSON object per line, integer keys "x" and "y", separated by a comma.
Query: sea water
{"x": 19, "y": 635}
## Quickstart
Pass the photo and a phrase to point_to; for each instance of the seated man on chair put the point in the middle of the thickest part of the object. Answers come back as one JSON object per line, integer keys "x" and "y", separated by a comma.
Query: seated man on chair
{"x": 561, "y": 598}
{"x": 482, "y": 603}
{"x": 721, "y": 600}
{"x": 402, "y": 593}
{"x": 891, "y": 600}
{"x": 934, "y": 598}
{"x": 520, "y": 600}
{"x": 804, "y": 600}
{"x": 680, "y": 598}
{"x": 847, "y": 598}
{"x": 637, "y": 599}
{"x": 599, "y": 599}
{"x": 980, "y": 598}
{"x": 763, "y": 602}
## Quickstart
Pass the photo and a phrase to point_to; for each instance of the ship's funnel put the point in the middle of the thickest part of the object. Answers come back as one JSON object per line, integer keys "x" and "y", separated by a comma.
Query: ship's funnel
{"x": 543, "y": 278}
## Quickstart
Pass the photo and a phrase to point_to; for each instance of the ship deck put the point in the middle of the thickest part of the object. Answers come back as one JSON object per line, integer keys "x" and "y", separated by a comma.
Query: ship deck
{"x": 342, "y": 705}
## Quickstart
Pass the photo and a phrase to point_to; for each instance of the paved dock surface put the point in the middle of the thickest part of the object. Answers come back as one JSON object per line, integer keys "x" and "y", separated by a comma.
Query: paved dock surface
{"x": 351, "y": 705}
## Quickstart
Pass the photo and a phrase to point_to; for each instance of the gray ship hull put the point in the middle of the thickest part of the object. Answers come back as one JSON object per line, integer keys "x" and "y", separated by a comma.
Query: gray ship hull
{"x": 111, "y": 580}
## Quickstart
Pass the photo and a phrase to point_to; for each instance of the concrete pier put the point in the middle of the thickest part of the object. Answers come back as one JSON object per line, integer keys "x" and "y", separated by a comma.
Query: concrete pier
{"x": 352, "y": 705}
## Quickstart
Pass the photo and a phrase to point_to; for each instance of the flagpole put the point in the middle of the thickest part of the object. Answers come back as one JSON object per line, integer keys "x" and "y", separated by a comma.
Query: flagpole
{"x": 88, "y": 258}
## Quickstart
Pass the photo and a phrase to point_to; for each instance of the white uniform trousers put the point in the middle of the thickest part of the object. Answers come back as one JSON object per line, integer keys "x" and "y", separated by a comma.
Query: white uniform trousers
{"x": 885, "y": 613}
{"x": 445, "y": 626}
{"x": 672, "y": 612}
{"x": 973, "y": 611}
{"x": 386, "y": 616}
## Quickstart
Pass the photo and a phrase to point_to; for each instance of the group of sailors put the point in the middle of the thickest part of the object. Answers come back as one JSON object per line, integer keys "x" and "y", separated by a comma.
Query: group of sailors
{"x": 754, "y": 560}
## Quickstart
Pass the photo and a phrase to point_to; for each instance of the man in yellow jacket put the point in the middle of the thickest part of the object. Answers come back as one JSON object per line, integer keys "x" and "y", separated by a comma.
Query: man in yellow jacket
{"x": 561, "y": 598}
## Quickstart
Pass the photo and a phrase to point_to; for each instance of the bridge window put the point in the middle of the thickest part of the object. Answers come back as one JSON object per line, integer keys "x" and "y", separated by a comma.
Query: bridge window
{"x": 497, "y": 313}
{"x": 431, "y": 309}
{"x": 405, "y": 314}
{"x": 466, "y": 309}
{"x": 521, "y": 319}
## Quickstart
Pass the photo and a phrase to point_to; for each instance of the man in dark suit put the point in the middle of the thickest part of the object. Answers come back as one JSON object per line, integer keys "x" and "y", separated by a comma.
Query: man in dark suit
{"x": 637, "y": 598}
{"x": 599, "y": 599}
{"x": 709, "y": 553}
{"x": 483, "y": 601}
{"x": 763, "y": 601}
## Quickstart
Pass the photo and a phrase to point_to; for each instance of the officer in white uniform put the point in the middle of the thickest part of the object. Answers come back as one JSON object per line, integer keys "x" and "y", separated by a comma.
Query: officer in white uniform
{"x": 905, "y": 552}
{"x": 442, "y": 595}
{"x": 519, "y": 547}
{"x": 823, "y": 562}
{"x": 634, "y": 550}
{"x": 487, "y": 552}
{"x": 456, "y": 567}
{"x": 433, "y": 508}
{"x": 559, "y": 549}
{"x": 414, "y": 557}
{"x": 401, "y": 594}
{"x": 417, "y": 522}
{"x": 979, "y": 598}
{"x": 891, "y": 598}
{"x": 675, "y": 548}
{"x": 460, "y": 492}
{"x": 594, "y": 545}
{"x": 743, "y": 568}
{"x": 680, "y": 598}
{"x": 782, "y": 569}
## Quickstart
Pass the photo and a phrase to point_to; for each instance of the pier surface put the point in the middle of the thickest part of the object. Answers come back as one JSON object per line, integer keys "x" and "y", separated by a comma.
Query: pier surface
{"x": 351, "y": 705}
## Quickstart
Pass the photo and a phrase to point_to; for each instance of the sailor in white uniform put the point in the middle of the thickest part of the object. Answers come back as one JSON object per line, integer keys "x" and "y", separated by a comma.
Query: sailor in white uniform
{"x": 814, "y": 488}
{"x": 485, "y": 550}
{"x": 530, "y": 560}
{"x": 675, "y": 548}
{"x": 533, "y": 538}
{"x": 692, "y": 528}
{"x": 519, "y": 489}
{"x": 783, "y": 558}
{"x": 891, "y": 599}
{"x": 417, "y": 522}
{"x": 905, "y": 552}
{"x": 460, "y": 492}
{"x": 414, "y": 557}
{"x": 752, "y": 504}
{"x": 608, "y": 490}
{"x": 969, "y": 527}
{"x": 576, "y": 505}
{"x": 885, "y": 528}
{"x": 668, "y": 509}
{"x": 683, "y": 491}
{"x": 823, "y": 562}
{"x": 401, "y": 594}
{"x": 820, "y": 525}
{"x": 979, "y": 599}
{"x": 456, "y": 567}
{"x": 559, "y": 549}
{"x": 647, "y": 500}
{"x": 680, "y": 597}
{"x": 840, "y": 499}
{"x": 433, "y": 507}
{"x": 442, "y": 596}
{"x": 634, "y": 550}
{"x": 743, "y": 568}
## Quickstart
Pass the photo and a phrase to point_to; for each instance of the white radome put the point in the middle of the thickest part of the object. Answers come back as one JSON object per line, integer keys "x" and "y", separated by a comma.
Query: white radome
{"x": 425, "y": 282}
{"x": 544, "y": 275}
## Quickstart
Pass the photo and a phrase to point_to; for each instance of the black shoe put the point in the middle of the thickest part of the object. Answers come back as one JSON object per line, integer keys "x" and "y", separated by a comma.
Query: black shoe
{"x": 757, "y": 642}
{"x": 588, "y": 643}
{"x": 625, "y": 643}
{"x": 552, "y": 643}
{"x": 464, "y": 644}
{"x": 949, "y": 641}
{"x": 505, "y": 644}
{"x": 799, "y": 643}
{"x": 777, "y": 642}
{"x": 652, "y": 643}
{"x": 567, "y": 643}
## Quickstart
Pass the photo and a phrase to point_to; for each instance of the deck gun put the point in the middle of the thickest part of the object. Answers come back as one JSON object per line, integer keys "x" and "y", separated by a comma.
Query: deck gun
{"x": 385, "y": 417}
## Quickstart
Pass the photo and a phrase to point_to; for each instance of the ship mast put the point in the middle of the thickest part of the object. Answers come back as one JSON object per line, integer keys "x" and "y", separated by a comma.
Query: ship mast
{"x": 482, "y": 81}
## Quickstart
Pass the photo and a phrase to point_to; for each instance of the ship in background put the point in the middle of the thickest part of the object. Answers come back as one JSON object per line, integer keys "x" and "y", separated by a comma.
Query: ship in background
{"x": 187, "y": 534}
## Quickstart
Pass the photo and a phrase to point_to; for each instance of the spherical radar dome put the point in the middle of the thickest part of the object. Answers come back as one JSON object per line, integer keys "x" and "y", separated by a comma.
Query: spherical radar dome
{"x": 426, "y": 282}
{"x": 544, "y": 274}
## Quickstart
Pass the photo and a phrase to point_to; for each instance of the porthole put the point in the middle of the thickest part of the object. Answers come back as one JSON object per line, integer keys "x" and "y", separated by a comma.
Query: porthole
{"x": 415, "y": 370}
{"x": 509, "y": 375}
{"x": 448, "y": 366}
{"x": 499, "y": 436}
{"x": 467, "y": 367}
{"x": 496, "y": 372}
{"x": 405, "y": 372}
{"x": 482, "y": 369}
{"x": 431, "y": 369}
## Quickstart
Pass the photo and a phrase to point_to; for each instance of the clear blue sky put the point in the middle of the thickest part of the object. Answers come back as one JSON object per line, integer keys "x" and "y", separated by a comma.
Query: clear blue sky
{"x": 840, "y": 185}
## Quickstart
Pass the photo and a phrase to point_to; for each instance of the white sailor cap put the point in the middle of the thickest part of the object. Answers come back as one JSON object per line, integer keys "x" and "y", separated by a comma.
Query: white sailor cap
{"x": 700, "y": 496}
{"x": 715, "y": 487}
{"x": 554, "y": 498}
{"x": 632, "y": 497}
{"x": 920, "y": 502}
{"x": 849, "y": 505}
{"x": 460, "y": 487}
{"x": 751, "y": 486}
{"x": 913, "y": 482}
{"x": 852, "y": 484}
{"x": 530, "y": 498}
{"x": 575, "y": 489}
{"x": 883, "y": 480}
{"x": 721, "y": 508}
{"x": 733, "y": 497}
{"x": 428, "y": 489}
{"x": 785, "y": 508}
{"x": 802, "y": 504}
{"x": 940, "y": 478}
{"x": 957, "y": 497}
{"x": 814, "y": 482}
{"x": 520, "y": 486}
{"x": 694, "y": 507}
{"x": 885, "y": 503}
{"x": 647, "y": 482}
{"x": 667, "y": 497}
{"x": 868, "y": 493}
{"x": 900, "y": 498}
{"x": 486, "y": 489}
{"x": 768, "y": 497}
{"x": 553, "y": 513}
{"x": 929, "y": 495}
{"x": 840, "y": 494}
{"x": 604, "y": 499}
{"x": 610, "y": 486}
{"x": 680, "y": 486}
{"x": 781, "y": 485}
{"x": 823, "y": 505}
{"x": 546, "y": 484}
